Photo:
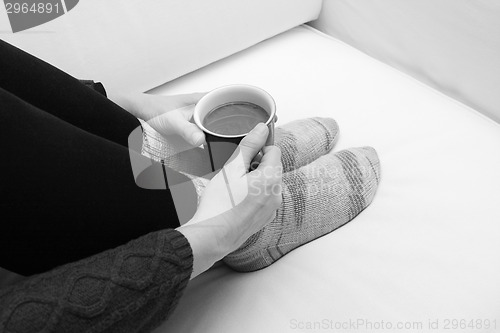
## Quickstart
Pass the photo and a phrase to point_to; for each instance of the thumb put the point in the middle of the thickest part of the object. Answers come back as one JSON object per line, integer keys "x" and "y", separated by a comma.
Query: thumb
{"x": 251, "y": 144}
{"x": 191, "y": 133}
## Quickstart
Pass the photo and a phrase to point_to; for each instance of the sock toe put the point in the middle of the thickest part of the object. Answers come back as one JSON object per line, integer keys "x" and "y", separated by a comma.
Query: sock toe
{"x": 362, "y": 164}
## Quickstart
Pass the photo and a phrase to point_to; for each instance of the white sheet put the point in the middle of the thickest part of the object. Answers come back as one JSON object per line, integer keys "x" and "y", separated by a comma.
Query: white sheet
{"x": 426, "y": 249}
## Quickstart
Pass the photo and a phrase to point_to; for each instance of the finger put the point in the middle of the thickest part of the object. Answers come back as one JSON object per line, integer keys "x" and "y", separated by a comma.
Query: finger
{"x": 256, "y": 161}
{"x": 251, "y": 144}
{"x": 271, "y": 158}
{"x": 187, "y": 112}
{"x": 188, "y": 99}
{"x": 175, "y": 122}
{"x": 269, "y": 173}
{"x": 188, "y": 131}
{"x": 172, "y": 102}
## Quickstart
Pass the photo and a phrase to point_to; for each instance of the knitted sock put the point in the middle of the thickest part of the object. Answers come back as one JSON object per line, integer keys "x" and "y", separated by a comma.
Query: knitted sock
{"x": 317, "y": 199}
{"x": 302, "y": 141}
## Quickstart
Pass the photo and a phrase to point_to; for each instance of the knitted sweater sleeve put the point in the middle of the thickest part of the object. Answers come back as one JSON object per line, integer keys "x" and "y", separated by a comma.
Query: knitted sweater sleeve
{"x": 132, "y": 288}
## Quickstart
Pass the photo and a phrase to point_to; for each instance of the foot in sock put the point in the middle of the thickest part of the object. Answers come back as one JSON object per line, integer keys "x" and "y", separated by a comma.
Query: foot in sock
{"x": 303, "y": 141}
{"x": 317, "y": 199}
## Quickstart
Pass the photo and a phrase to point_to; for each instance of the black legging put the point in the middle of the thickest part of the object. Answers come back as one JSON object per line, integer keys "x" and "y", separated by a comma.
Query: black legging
{"x": 66, "y": 184}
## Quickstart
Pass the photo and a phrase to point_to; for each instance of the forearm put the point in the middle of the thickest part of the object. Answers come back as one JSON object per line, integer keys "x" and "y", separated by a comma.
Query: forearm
{"x": 125, "y": 101}
{"x": 213, "y": 235}
{"x": 204, "y": 245}
{"x": 128, "y": 289}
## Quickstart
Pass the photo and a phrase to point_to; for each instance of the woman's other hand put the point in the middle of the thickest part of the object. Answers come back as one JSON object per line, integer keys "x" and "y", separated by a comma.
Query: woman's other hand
{"x": 168, "y": 115}
{"x": 236, "y": 203}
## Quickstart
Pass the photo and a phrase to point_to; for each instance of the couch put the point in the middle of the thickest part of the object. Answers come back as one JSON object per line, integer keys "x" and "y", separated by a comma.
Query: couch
{"x": 417, "y": 80}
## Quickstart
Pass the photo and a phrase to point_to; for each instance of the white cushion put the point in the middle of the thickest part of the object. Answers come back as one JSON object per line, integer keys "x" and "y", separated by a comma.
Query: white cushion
{"x": 451, "y": 45}
{"x": 426, "y": 248}
{"x": 137, "y": 45}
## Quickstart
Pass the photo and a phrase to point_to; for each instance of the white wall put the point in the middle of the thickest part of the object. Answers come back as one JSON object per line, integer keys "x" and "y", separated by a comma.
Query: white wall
{"x": 452, "y": 45}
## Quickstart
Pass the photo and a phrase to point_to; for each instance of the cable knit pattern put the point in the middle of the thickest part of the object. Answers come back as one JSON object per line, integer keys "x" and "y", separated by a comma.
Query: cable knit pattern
{"x": 132, "y": 288}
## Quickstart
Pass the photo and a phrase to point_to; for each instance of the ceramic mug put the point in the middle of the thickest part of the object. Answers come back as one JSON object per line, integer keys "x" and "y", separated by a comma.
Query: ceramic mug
{"x": 220, "y": 146}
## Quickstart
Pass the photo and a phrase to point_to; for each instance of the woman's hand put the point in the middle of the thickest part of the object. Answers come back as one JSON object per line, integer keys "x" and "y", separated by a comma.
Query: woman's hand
{"x": 236, "y": 203}
{"x": 168, "y": 115}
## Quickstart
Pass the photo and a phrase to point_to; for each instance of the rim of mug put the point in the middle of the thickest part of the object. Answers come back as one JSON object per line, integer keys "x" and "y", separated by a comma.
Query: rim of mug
{"x": 234, "y": 136}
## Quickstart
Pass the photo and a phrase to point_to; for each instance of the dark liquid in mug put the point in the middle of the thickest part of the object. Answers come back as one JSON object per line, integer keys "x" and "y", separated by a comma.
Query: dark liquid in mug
{"x": 235, "y": 118}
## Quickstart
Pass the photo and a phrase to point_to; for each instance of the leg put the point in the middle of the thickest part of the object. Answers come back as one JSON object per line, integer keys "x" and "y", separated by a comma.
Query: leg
{"x": 63, "y": 96}
{"x": 68, "y": 194}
